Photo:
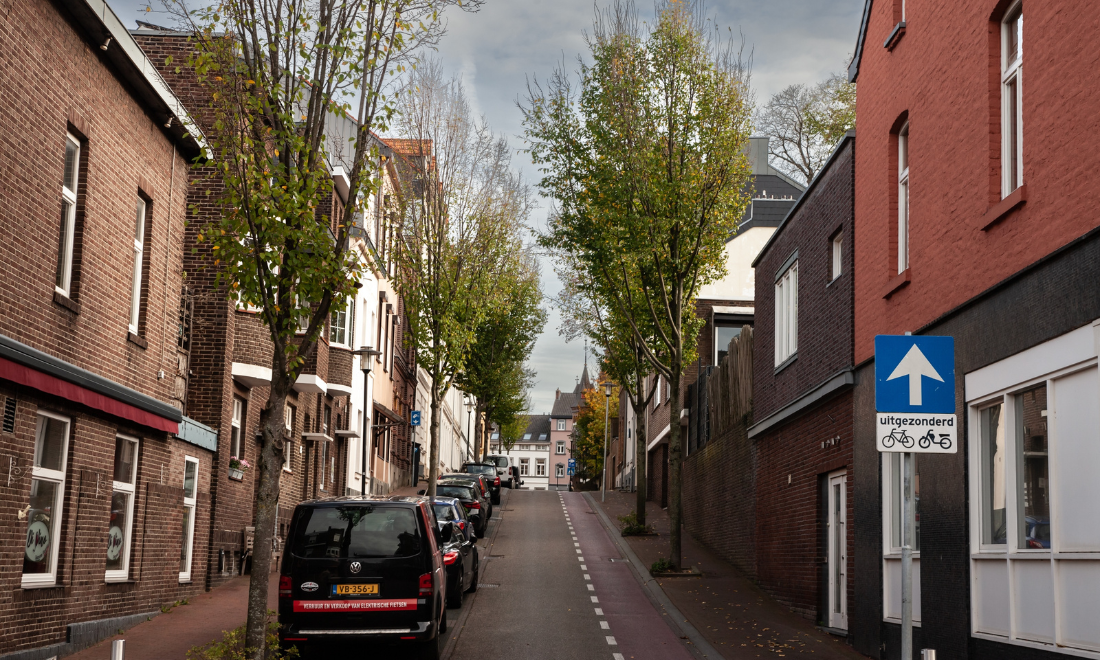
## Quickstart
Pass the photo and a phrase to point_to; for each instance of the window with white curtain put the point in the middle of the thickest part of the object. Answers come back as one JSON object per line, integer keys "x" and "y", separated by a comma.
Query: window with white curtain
{"x": 1012, "y": 164}
{"x": 903, "y": 198}
{"x": 786, "y": 314}
{"x": 121, "y": 522}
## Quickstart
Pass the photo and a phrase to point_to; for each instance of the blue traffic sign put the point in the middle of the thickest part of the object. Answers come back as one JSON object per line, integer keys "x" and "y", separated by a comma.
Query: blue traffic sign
{"x": 914, "y": 374}
{"x": 415, "y": 418}
{"x": 572, "y": 462}
{"x": 571, "y": 470}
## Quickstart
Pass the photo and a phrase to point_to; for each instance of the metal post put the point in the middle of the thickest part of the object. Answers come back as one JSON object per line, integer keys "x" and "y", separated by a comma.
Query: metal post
{"x": 118, "y": 649}
{"x": 909, "y": 528}
{"x": 606, "y": 413}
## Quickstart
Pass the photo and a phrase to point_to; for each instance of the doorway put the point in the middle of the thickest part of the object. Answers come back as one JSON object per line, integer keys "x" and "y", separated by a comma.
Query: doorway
{"x": 838, "y": 550}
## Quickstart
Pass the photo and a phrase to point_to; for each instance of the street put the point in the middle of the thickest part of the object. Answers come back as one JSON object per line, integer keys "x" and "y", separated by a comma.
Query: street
{"x": 555, "y": 586}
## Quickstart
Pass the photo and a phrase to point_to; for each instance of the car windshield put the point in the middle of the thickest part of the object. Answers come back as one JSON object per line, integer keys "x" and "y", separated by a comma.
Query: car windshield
{"x": 461, "y": 492}
{"x": 357, "y": 531}
{"x": 501, "y": 461}
{"x": 445, "y": 512}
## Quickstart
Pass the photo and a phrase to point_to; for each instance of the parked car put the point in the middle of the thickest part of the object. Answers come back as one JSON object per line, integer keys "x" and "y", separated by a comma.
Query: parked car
{"x": 460, "y": 554}
{"x": 370, "y": 565}
{"x": 475, "y": 506}
{"x": 504, "y": 469}
{"x": 478, "y": 481}
{"x": 516, "y": 478}
{"x": 489, "y": 471}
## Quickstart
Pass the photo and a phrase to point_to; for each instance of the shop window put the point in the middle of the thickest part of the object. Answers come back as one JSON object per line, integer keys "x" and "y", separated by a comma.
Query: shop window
{"x": 121, "y": 523}
{"x": 43, "y": 512}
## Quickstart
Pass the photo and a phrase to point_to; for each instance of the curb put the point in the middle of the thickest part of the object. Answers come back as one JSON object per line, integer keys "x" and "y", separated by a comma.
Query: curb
{"x": 698, "y": 646}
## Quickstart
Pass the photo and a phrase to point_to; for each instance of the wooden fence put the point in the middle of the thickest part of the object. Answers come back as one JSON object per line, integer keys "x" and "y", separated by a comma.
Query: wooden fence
{"x": 729, "y": 387}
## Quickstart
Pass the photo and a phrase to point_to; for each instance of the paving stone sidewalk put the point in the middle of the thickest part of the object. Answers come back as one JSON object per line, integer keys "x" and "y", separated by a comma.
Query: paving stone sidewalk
{"x": 733, "y": 614}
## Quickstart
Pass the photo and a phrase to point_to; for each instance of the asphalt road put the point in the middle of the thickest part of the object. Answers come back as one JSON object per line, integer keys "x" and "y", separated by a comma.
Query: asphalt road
{"x": 554, "y": 585}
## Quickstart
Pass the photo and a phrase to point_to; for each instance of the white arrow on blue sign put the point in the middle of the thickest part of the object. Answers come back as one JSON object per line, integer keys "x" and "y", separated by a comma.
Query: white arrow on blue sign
{"x": 914, "y": 374}
{"x": 571, "y": 470}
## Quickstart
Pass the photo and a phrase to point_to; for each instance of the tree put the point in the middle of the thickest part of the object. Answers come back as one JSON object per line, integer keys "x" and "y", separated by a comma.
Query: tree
{"x": 588, "y": 439}
{"x": 647, "y": 166}
{"x": 276, "y": 71}
{"x": 493, "y": 371}
{"x": 459, "y": 228}
{"x": 804, "y": 123}
{"x": 511, "y": 431}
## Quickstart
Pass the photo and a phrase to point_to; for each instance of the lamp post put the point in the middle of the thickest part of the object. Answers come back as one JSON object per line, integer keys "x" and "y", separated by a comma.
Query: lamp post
{"x": 606, "y": 414}
{"x": 469, "y": 408}
{"x": 366, "y": 354}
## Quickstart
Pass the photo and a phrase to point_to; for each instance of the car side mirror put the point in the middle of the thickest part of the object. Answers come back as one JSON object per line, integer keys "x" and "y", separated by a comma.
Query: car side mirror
{"x": 421, "y": 492}
{"x": 446, "y": 534}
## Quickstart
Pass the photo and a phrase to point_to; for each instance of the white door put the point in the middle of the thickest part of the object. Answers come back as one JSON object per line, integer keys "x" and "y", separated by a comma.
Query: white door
{"x": 838, "y": 551}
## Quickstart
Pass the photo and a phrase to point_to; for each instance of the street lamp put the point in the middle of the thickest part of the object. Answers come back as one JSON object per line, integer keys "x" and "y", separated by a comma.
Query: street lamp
{"x": 366, "y": 354}
{"x": 469, "y": 408}
{"x": 606, "y": 414}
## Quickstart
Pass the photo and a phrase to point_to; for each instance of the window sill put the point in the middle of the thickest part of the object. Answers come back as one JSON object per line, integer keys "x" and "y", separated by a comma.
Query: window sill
{"x": 895, "y": 36}
{"x": 66, "y": 302}
{"x": 785, "y": 363}
{"x": 897, "y": 282}
{"x": 1001, "y": 209}
{"x": 137, "y": 339}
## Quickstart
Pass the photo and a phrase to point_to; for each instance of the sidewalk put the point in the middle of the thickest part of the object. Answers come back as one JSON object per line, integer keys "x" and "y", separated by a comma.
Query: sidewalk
{"x": 732, "y": 614}
{"x": 169, "y": 636}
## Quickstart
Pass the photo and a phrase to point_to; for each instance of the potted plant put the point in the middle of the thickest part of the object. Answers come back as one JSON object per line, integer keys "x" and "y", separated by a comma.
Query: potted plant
{"x": 237, "y": 466}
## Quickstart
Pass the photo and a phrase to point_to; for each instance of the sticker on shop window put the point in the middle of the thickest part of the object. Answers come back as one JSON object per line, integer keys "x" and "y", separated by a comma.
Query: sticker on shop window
{"x": 38, "y": 541}
{"x": 114, "y": 543}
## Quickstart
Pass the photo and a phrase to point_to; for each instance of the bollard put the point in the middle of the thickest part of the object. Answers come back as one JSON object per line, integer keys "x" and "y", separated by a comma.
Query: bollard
{"x": 118, "y": 649}
{"x": 928, "y": 654}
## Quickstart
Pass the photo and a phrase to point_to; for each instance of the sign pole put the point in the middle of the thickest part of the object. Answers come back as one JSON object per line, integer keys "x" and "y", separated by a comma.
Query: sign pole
{"x": 909, "y": 526}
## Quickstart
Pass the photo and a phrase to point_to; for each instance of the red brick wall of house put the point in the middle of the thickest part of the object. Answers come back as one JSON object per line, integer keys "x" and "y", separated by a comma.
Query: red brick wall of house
{"x": 943, "y": 76}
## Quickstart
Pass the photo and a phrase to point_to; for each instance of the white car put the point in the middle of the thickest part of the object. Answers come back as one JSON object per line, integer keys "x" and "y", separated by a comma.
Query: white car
{"x": 504, "y": 465}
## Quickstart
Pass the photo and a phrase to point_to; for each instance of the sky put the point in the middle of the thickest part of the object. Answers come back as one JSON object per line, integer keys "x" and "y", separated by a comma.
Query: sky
{"x": 498, "y": 48}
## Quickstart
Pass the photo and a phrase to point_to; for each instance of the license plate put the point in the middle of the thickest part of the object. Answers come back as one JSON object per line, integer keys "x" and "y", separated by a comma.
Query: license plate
{"x": 355, "y": 590}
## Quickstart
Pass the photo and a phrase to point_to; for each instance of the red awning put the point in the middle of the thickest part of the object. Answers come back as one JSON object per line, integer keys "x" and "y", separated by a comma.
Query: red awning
{"x": 42, "y": 382}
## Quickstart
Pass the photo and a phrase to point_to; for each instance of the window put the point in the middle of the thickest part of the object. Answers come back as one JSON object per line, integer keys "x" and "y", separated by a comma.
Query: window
{"x": 524, "y": 466}
{"x": 838, "y": 255}
{"x": 43, "y": 511}
{"x": 892, "y": 485}
{"x": 559, "y": 470}
{"x": 560, "y": 448}
{"x": 1012, "y": 164}
{"x": 540, "y": 467}
{"x": 324, "y": 462}
{"x": 139, "y": 257}
{"x": 526, "y": 436}
{"x": 288, "y": 448}
{"x": 70, "y": 184}
{"x": 786, "y": 314}
{"x": 724, "y": 333}
{"x": 332, "y": 469}
{"x": 993, "y": 475}
{"x": 657, "y": 393}
{"x": 121, "y": 523}
{"x": 190, "y": 487}
{"x": 341, "y": 329}
{"x": 903, "y": 199}
{"x": 561, "y": 424}
{"x": 235, "y": 429}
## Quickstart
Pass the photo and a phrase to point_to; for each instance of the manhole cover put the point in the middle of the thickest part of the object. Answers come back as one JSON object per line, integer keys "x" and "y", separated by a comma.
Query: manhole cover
{"x": 486, "y": 585}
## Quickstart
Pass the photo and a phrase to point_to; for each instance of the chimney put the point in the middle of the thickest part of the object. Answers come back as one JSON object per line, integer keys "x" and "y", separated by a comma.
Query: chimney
{"x": 557, "y": 394}
{"x": 757, "y": 152}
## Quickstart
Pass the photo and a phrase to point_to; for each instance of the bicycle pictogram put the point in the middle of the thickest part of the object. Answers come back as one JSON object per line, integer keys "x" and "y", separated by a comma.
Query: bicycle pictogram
{"x": 899, "y": 436}
{"x": 930, "y": 439}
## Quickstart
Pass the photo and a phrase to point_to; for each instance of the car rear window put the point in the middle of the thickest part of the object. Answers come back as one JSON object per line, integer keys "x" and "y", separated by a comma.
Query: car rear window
{"x": 460, "y": 492}
{"x": 501, "y": 461}
{"x": 481, "y": 469}
{"x": 357, "y": 531}
{"x": 445, "y": 512}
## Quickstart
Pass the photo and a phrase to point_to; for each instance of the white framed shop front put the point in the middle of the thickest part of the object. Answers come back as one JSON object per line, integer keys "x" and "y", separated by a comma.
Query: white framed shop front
{"x": 1034, "y": 455}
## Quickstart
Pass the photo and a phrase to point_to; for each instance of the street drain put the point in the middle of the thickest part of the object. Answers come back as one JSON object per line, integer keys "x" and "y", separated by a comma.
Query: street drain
{"x": 486, "y": 585}
{"x": 496, "y": 555}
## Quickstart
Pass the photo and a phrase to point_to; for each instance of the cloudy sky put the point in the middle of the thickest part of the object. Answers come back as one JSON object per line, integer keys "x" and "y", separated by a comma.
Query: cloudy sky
{"x": 498, "y": 48}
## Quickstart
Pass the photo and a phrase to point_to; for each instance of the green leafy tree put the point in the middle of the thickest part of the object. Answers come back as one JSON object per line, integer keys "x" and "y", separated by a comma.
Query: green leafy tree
{"x": 277, "y": 71}
{"x": 511, "y": 431}
{"x": 459, "y": 229}
{"x": 588, "y": 439}
{"x": 647, "y": 167}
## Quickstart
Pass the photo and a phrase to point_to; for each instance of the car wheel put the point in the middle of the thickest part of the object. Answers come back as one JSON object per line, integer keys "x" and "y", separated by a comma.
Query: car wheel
{"x": 454, "y": 591}
{"x": 477, "y": 567}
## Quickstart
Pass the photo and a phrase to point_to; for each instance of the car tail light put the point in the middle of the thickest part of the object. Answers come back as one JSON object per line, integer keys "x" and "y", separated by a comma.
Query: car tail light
{"x": 284, "y": 586}
{"x": 497, "y": 482}
{"x": 475, "y": 505}
{"x": 462, "y": 525}
{"x": 449, "y": 557}
{"x": 426, "y": 584}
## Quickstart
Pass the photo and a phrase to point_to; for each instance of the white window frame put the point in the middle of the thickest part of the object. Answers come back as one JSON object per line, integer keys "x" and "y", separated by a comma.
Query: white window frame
{"x": 189, "y": 504}
{"x": 64, "y": 277}
{"x": 540, "y": 467}
{"x": 561, "y": 425}
{"x": 342, "y": 326}
{"x": 1012, "y": 129}
{"x": 837, "y": 250}
{"x": 559, "y": 470}
{"x": 236, "y": 429}
{"x": 891, "y": 554}
{"x": 324, "y": 460}
{"x": 122, "y": 574}
{"x": 56, "y": 477}
{"x": 657, "y": 393}
{"x": 786, "y": 313}
{"x": 288, "y": 450}
{"x": 903, "y": 198}
{"x": 524, "y": 467}
{"x": 139, "y": 253}
{"x": 559, "y": 448}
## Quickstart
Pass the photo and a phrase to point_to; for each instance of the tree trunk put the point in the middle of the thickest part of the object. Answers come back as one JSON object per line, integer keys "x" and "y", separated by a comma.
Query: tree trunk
{"x": 675, "y": 452}
{"x": 640, "y": 455}
{"x": 270, "y": 466}
{"x": 433, "y": 453}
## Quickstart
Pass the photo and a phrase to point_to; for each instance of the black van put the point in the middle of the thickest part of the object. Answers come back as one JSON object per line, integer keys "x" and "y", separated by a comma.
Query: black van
{"x": 364, "y": 571}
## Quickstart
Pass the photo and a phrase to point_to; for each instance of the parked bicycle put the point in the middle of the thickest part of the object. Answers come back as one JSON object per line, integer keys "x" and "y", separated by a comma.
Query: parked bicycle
{"x": 899, "y": 436}
{"x": 930, "y": 439}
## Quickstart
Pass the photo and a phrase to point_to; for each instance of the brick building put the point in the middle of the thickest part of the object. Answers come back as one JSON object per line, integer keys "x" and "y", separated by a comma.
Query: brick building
{"x": 802, "y": 400}
{"x": 108, "y": 492}
{"x": 975, "y": 219}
